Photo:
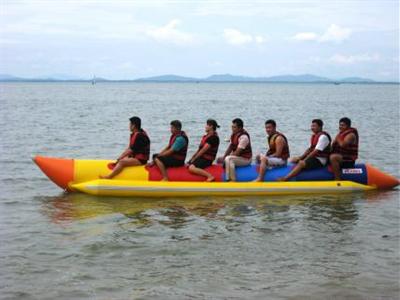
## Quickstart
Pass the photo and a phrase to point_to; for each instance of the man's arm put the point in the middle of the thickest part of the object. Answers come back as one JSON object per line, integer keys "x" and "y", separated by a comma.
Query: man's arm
{"x": 228, "y": 151}
{"x": 176, "y": 146}
{"x": 348, "y": 140}
{"x": 280, "y": 143}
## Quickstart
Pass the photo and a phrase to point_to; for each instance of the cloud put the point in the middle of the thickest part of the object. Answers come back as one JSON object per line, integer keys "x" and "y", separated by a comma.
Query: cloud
{"x": 260, "y": 39}
{"x": 306, "y": 36}
{"x": 237, "y": 38}
{"x": 170, "y": 33}
{"x": 352, "y": 59}
{"x": 334, "y": 33}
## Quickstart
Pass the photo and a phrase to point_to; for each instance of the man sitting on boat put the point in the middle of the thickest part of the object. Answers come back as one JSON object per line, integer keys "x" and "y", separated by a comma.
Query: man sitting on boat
{"x": 137, "y": 152}
{"x": 316, "y": 156}
{"x": 207, "y": 151}
{"x": 344, "y": 147}
{"x": 239, "y": 151}
{"x": 278, "y": 151}
{"x": 174, "y": 154}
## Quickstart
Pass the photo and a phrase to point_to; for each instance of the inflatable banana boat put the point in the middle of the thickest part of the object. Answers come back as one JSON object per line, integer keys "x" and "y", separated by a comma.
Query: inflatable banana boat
{"x": 83, "y": 175}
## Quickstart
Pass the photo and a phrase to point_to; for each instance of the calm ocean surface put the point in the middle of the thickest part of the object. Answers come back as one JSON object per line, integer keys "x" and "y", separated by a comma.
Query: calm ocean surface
{"x": 58, "y": 246}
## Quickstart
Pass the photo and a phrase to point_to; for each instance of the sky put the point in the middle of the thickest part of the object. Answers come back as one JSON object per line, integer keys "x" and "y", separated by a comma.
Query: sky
{"x": 133, "y": 39}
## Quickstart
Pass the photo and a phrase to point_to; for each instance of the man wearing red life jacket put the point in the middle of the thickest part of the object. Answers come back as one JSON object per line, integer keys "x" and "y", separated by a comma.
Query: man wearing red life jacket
{"x": 278, "y": 151}
{"x": 207, "y": 151}
{"x": 316, "y": 156}
{"x": 344, "y": 147}
{"x": 239, "y": 151}
{"x": 137, "y": 152}
{"x": 174, "y": 154}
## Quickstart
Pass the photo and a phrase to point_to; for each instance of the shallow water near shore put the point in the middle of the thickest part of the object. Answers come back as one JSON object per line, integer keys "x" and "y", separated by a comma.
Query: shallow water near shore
{"x": 76, "y": 246}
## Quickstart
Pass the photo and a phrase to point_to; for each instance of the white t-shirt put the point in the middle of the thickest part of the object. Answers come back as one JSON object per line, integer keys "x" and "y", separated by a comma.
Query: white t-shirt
{"x": 243, "y": 141}
{"x": 323, "y": 142}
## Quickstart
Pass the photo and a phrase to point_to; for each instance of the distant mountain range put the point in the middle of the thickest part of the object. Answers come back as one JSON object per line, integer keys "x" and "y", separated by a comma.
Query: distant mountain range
{"x": 234, "y": 78}
{"x": 304, "y": 78}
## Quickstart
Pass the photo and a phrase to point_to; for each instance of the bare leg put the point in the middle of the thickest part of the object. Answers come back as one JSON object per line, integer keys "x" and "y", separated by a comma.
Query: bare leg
{"x": 201, "y": 172}
{"x": 296, "y": 170}
{"x": 335, "y": 160}
{"x": 162, "y": 169}
{"x": 125, "y": 162}
{"x": 263, "y": 169}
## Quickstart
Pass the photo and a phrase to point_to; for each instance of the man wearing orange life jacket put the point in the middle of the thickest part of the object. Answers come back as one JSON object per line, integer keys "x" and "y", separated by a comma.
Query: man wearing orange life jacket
{"x": 316, "y": 156}
{"x": 278, "y": 152}
{"x": 344, "y": 147}
{"x": 174, "y": 154}
{"x": 207, "y": 151}
{"x": 137, "y": 152}
{"x": 239, "y": 151}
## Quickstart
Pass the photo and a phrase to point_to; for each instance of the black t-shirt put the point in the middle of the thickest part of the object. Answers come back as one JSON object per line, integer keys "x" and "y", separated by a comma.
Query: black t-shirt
{"x": 141, "y": 142}
{"x": 213, "y": 141}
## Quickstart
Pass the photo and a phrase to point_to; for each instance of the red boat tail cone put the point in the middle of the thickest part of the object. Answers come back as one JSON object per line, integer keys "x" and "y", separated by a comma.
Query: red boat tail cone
{"x": 380, "y": 179}
{"x": 59, "y": 170}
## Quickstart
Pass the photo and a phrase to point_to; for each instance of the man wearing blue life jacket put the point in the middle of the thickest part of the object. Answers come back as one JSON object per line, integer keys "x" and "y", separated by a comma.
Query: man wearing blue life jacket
{"x": 174, "y": 154}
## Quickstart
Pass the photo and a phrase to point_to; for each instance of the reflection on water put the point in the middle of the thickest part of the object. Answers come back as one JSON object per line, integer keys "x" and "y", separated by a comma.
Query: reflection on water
{"x": 251, "y": 246}
{"x": 67, "y": 208}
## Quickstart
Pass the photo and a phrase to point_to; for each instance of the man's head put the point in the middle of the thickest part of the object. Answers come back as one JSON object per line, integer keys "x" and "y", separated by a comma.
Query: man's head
{"x": 270, "y": 127}
{"x": 237, "y": 125}
{"x": 176, "y": 126}
{"x": 211, "y": 124}
{"x": 316, "y": 125}
{"x": 344, "y": 123}
{"x": 136, "y": 123}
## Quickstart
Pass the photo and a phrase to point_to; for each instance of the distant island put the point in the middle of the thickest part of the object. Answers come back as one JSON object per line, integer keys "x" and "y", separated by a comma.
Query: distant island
{"x": 304, "y": 78}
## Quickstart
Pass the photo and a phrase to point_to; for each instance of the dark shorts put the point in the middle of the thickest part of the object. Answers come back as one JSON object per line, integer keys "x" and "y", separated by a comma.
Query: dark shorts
{"x": 347, "y": 164}
{"x": 202, "y": 163}
{"x": 312, "y": 163}
{"x": 170, "y": 162}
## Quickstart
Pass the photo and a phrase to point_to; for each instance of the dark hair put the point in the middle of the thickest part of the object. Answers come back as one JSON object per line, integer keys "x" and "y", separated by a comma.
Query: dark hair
{"x": 238, "y": 122}
{"x": 177, "y": 124}
{"x": 272, "y": 122}
{"x": 213, "y": 123}
{"x": 137, "y": 122}
{"x": 319, "y": 122}
{"x": 346, "y": 121}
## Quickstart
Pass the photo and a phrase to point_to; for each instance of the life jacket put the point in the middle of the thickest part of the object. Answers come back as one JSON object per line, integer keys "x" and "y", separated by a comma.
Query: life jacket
{"x": 181, "y": 154}
{"x": 350, "y": 152}
{"x": 247, "y": 152}
{"x": 314, "y": 141}
{"x": 272, "y": 146}
{"x": 211, "y": 153}
{"x": 142, "y": 150}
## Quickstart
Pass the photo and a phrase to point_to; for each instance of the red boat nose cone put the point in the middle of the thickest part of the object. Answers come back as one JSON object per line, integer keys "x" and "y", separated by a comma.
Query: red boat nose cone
{"x": 59, "y": 170}
{"x": 381, "y": 179}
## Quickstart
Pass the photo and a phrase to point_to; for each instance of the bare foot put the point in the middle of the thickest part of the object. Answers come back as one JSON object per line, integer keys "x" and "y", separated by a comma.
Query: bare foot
{"x": 104, "y": 177}
{"x": 164, "y": 179}
{"x": 210, "y": 179}
{"x": 281, "y": 179}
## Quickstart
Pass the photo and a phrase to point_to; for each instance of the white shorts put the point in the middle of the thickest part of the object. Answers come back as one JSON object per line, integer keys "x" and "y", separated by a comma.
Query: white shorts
{"x": 275, "y": 161}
